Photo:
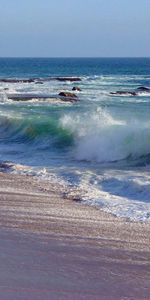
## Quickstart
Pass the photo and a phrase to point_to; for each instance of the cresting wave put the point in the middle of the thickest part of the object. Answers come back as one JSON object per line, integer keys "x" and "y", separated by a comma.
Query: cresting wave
{"x": 33, "y": 130}
{"x": 100, "y": 137}
{"x": 90, "y": 136}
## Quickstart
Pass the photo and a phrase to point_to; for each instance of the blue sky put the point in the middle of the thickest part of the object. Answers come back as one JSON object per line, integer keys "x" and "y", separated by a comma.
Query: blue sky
{"x": 74, "y": 28}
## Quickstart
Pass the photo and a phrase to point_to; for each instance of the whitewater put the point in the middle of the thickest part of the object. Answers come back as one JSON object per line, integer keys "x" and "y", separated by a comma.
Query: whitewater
{"x": 98, "y": 147}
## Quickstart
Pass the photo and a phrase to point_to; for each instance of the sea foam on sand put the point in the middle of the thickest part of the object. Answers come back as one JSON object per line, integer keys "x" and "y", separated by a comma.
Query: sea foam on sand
{"x": 55, "y": 248}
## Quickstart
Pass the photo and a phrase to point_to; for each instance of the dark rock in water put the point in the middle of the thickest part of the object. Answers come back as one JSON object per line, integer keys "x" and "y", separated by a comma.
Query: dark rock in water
{"x": 6, "y": 89}
{"x": 28, "y": 80}
{"x": 27, "y": 97}
{"x": 5, "y": 166}
{"x": 143, "y": 89}
{"x": 136, "y": 92}
{"x": 67, "y": 79}
{"x": 8, "y": 80}
{"x": 17, "y": 80}
{"x": 72, "y": 79}
{"x": 124, "y": 93}
{"x": 38, "y": 82}
{"x": 67, "y": 96}
{"x": 76, "y": 88}
{"x": 133, "y": 93}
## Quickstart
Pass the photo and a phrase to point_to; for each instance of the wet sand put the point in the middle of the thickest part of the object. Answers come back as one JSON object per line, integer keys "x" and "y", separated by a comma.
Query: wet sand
{"x": 56, "y": 248}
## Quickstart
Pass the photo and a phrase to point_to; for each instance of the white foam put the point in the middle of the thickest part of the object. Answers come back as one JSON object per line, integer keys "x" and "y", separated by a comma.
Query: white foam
{"x": 118, "y": 192}
{"x": 99, "y": 137}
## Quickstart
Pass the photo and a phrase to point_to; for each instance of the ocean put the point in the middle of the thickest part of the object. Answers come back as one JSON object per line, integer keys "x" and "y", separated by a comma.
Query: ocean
{"x": 97, "y": 145}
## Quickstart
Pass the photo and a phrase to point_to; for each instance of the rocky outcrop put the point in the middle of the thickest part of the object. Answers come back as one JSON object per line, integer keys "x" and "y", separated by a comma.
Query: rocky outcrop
{"x": 68, "y": 96}
{"x": 143, "y": 89}
{"x": 124, "y": 93}
{"x": 68, "y": 79}
{"x": 41, "y": 80}
{"x": 38, "y": 82}
{"x": 29, "y": 96}
{"x": 26, "y": 97}
{"x": 76, "y": 88}
{"x": 17, "y": 80}
{"x": 136, "y": 92}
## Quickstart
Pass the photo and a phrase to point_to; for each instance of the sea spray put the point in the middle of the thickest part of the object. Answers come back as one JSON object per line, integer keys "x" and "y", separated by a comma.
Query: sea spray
{"x": 99, "y": 137}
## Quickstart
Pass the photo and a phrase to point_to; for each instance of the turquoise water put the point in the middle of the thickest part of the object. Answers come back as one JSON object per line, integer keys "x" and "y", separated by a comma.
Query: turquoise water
{"x": 98, "y": 146}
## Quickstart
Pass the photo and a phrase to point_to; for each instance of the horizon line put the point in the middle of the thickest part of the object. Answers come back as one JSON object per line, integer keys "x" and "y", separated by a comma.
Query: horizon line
{"x": 75, "y": 57}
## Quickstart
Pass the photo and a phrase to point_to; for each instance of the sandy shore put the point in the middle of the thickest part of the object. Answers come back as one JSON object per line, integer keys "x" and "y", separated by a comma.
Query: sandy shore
{"x": 55, "y": 248}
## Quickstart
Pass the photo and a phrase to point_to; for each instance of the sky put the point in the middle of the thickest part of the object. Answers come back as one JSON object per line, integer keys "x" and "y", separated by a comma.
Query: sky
{"x": 75, "y": 28}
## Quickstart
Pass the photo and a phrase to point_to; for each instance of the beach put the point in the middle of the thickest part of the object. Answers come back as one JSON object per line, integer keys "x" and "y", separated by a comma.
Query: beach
{"x": 53, "y": 247}
{"x": 74, "y": 179}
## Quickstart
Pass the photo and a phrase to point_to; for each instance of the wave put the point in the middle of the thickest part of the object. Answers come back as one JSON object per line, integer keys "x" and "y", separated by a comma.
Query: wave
{"x": 33, "y": 130}
{"x": 102, "y": 138}
{"x": 91, "y": 136}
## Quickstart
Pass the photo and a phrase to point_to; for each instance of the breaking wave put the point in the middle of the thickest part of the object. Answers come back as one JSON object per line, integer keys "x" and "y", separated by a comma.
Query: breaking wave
{"x": 102, "y": 138}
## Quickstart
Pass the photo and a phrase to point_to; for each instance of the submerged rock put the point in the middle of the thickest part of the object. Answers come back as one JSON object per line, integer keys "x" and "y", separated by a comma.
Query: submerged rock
{"x": 124, "y": 93}
{"x": 136, "y": 92}
{"x": 67, "y": 96}
{"x": 76, "y": 88}
{"x": 143, "y": 89}
{"x": 30, "y": 96}
{"x": 26, "y": 97}
{"x": 5, "y": 166}
{"x": 39, "y": 80}
{"x": 7, "y": 80}
{"x": 68, "y": 79}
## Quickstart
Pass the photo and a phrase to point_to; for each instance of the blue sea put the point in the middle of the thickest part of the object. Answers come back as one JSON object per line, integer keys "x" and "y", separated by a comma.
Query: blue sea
{"x": 97, "y": 147}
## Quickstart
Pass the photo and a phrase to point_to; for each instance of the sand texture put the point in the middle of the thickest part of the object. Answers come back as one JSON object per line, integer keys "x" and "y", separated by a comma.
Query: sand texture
{"x": 52, "y": 247}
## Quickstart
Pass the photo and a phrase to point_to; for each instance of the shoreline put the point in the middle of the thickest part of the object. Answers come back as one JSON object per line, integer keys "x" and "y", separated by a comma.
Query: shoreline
{"x": 56, "y": 248}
